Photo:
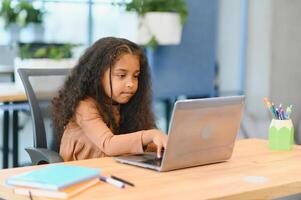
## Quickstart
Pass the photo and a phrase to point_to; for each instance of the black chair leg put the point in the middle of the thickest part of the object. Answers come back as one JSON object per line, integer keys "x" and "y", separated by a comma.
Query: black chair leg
{"x": 5, "y": 138}
{"x": 15, "y": 138}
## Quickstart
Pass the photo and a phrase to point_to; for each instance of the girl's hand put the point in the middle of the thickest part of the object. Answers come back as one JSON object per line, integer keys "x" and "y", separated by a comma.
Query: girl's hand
{"x": 157, "y": 137}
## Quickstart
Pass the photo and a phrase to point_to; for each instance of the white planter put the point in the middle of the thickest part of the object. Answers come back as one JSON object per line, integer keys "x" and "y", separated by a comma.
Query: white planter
{"x": 165, "y": 26}
{"x": 14, "y": 30}
{"x": 33, "y": 32}
{"x": 40, "y": 84}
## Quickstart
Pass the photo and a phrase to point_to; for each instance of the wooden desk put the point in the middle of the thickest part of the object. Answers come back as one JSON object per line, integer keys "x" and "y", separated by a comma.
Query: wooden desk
{"x": 9, "y": 92}
{"x": 228, "y": 180}
{"x": 10, "y": 95}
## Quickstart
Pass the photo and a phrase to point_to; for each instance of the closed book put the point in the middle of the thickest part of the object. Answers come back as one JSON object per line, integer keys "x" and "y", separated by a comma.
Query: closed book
{"x": 54, "y": 177}
{"x": 59, "y": 194}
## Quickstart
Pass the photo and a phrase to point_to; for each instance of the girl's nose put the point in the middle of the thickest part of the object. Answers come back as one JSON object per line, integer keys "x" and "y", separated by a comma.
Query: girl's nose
{"x": 129, "y": 84}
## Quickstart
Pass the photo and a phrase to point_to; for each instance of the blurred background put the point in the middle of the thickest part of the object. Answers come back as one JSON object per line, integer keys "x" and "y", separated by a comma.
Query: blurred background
{"x": 215, "y": 48}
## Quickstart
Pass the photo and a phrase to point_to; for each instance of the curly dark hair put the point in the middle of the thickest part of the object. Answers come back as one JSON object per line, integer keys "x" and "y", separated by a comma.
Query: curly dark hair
{"x": 84, "y": 81}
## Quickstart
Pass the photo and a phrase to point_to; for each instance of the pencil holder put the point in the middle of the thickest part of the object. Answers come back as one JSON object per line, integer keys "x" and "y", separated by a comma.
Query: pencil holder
{"x": 281, "y": 135}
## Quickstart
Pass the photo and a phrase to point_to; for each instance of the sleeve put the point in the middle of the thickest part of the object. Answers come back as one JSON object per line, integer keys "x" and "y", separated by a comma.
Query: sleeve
{"x": 88, "y": 118}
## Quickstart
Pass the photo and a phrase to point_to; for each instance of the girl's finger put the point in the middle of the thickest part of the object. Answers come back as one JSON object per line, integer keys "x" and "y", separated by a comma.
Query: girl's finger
{"x": 159, "y": 148}
{"x": 165, "y": 143}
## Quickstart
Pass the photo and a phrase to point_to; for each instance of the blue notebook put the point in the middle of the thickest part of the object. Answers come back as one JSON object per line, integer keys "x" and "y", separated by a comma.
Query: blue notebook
{"x": 54, "y": 177}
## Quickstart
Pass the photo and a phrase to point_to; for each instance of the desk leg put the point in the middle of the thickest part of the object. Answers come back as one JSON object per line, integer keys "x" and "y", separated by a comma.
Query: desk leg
{"x": 5, "y": 138}
{"x": 15, "y": 138}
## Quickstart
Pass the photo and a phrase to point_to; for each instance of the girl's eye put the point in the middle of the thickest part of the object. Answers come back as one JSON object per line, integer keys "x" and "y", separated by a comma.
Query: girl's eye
{"x": 121, "y": 75}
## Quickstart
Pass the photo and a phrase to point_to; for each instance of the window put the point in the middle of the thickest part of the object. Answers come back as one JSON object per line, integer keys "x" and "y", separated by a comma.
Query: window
{"x": 109, "y": 20}
{"x": 66, "y": 22}
{"x": 79, "y": 21}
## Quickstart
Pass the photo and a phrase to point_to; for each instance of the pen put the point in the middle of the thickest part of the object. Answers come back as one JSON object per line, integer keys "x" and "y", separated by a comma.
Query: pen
{"x": 270, "y": 107}
{"x": 277, "y": 113}
{"x": 289, "y": 111}
{"x": 122, "y": 180}
{"x": 281, "y": 114}
{"x": 30, "y": 196}
{"x": 112, "y": 181}
{"x": 274, "y": 111}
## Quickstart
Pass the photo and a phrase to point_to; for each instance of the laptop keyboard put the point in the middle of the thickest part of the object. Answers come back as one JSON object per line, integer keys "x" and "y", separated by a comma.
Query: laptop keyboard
{"x": 155, "y": 161}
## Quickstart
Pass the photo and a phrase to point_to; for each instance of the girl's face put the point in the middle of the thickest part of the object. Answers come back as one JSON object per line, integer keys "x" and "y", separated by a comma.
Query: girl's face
{"x": 125, "y": 73}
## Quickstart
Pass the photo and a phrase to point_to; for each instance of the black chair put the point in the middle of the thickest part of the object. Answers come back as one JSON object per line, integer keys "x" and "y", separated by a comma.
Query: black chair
{"x": 41, "y": 85}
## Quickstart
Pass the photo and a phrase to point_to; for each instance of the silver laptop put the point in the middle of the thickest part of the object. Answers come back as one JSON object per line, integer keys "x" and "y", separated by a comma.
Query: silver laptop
{"x": 202, "y": 131}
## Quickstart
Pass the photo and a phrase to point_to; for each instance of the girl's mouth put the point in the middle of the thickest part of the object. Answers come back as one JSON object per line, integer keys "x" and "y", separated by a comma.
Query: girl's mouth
{"x": 128, "y": 94}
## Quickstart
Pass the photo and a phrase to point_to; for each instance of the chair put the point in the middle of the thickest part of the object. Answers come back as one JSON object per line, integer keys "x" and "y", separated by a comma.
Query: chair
{"x": 41, "y": 85}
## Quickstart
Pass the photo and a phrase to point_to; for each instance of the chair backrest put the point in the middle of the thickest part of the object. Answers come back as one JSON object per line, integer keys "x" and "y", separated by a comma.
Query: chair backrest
{"x": 41, "y": 85}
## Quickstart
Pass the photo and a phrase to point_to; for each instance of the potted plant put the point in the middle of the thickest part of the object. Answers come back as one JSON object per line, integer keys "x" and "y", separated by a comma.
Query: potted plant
{"x": 160, "y": 21}
{"x": 10, "y": 16}
{"x": 32, "y": 19}
{"x": 43, "y": 55}
{"x": 19, "y": 15}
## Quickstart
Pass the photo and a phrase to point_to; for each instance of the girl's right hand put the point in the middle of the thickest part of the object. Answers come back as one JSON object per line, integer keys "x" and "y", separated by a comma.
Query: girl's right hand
{"x": 157, "y": 137}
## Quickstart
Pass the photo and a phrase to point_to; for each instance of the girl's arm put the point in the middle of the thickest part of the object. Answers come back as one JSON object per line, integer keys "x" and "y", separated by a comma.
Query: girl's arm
{"x": 93, "y": 126}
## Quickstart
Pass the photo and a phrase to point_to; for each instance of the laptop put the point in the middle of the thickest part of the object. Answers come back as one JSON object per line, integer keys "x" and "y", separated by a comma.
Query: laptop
{"x": 201, "y": 131}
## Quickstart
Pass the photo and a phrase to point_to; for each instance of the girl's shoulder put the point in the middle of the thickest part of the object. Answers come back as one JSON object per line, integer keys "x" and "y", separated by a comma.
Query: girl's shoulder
{"x": 89, "y": 100}
{"x": 87, "y": 104}
{"x": 87, "y": 109}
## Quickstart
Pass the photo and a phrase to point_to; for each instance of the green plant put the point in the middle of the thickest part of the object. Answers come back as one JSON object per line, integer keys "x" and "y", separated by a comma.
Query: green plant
{"x": 29, "y": 14}
{"x": 9, "y": 13}
{"x": 21, "y": 13}
{"x": 143, "y": 6}
{"x": 152, "y": 43}
{"x": 52, "y": 51}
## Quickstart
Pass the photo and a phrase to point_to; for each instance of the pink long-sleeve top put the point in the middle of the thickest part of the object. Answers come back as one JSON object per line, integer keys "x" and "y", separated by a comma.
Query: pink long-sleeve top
{"x": 87, "y": 136}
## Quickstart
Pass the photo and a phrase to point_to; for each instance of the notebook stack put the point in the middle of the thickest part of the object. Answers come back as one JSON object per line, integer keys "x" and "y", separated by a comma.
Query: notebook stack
{"x": 54, "y": 181}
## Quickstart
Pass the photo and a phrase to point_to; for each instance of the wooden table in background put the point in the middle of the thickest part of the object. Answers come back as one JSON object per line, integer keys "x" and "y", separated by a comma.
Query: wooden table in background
{"x": 10, "y": 96}
{"x": 253, "y": 172}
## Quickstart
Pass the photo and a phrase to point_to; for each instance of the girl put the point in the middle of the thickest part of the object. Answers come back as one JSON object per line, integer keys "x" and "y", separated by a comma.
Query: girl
{"x": 104, "y": 107}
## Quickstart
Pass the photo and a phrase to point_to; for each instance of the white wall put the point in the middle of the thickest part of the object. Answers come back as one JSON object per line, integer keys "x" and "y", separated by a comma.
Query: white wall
{"x": 258, "y": 51}
{"x": 229, "y": 27}
{"x": 258, "y": 62}
{"x": 272, "y": 56}
{"x": 286, "y": 54}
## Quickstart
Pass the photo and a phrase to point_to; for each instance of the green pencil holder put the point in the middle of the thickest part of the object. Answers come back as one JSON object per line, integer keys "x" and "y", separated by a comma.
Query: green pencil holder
{"x": 281, "y": 135}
